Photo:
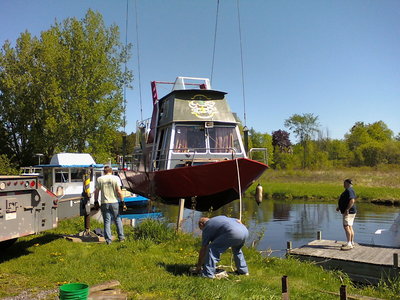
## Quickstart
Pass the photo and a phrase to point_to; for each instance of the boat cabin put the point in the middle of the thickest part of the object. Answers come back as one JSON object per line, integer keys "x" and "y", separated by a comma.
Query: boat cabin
{"x": 190, "y": 127}
{"x": 63, "y": 175}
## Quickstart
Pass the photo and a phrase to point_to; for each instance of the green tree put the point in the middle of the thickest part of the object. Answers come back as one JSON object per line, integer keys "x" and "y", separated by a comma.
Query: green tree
{"x": 304, "y": 127}
{"x": 63, "y": 91}
{"x": 317, "y": 158}
{"x": 366, "y": 141}
{"x": 372, "y": 154}
{"x": 391, "y": 150}
{"x": 261, "y": 140}
{"x": 118, "y": 147}
{"x": 6, "y": 166}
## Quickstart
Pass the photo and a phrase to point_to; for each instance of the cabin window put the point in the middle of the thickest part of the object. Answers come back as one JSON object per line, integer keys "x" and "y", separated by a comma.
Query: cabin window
{"x": 61, "y": 175}
{"x": 190, "y": 139}
{"x": 77, "y": 174}
{"x": 223, "y": 140}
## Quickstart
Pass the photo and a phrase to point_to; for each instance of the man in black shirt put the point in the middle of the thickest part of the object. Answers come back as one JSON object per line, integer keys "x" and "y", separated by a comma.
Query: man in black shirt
{"x": 348, "y": 210}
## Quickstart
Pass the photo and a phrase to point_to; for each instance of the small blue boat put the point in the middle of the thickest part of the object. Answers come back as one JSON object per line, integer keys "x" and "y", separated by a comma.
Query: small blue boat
{"x": 136, "y": 200}
{"x": 150, "y": 215}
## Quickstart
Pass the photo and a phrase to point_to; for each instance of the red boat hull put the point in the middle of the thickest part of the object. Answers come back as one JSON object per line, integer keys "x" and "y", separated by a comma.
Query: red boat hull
{"x": 212, "y": 185}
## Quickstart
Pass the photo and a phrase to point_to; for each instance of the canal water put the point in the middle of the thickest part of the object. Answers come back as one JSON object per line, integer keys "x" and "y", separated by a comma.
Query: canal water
{"x": 275, "y": 222}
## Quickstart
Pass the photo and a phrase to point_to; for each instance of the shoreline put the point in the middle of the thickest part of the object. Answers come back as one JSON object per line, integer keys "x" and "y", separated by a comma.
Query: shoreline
{"x": 374, "y": 186}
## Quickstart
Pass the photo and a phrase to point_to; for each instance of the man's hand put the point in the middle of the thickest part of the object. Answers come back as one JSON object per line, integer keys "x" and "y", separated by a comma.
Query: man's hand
{"x": 96, "y": 205}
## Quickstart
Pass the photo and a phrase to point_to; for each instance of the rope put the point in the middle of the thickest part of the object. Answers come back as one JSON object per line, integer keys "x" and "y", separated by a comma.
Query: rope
{"x": 240, "y": 190}
{"x": 138, "y": 61}
{"x": 215, "y": 42}
{"x": 241, "y": 60}
{"x": 126, "y": 43}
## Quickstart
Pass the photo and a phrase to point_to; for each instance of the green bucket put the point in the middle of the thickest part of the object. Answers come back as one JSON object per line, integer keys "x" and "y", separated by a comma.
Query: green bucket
{"x": 74, "y": 291}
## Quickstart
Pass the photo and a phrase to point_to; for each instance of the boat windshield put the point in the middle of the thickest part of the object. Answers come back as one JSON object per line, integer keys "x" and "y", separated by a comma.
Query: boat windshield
{"x": 223, "y": 140}
{"x": 190, "y": 139}
{"x": 219, "y": 139}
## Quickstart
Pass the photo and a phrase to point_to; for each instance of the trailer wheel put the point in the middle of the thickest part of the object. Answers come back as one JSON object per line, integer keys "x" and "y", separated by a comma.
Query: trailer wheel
{"x": 8, "y": 243}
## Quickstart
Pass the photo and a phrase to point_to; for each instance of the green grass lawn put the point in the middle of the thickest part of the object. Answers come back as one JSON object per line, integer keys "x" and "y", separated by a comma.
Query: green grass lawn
{"x": 369, "y": 184}
{"x": 153, "y": 264}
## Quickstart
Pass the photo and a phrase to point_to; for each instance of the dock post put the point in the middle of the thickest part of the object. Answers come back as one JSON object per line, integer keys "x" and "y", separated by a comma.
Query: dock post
{"x": 343, "y": 292}
{"x": 395, "y": 260}
{"x": 319, "y": 235}
{"x": 180, "y": 214}
{"x": 285, "y": 289}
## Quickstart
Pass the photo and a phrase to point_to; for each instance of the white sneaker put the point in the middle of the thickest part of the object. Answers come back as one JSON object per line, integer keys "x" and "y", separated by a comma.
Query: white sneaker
{"x": 347, "y": 247}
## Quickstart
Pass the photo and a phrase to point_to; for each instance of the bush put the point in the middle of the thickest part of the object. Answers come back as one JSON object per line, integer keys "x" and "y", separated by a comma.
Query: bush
{"x": 6, "y": 167}
{"x": 154, "y": 230}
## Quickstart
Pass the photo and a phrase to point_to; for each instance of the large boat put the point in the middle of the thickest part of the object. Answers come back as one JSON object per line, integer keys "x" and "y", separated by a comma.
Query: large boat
{"x": 191, "y": 149}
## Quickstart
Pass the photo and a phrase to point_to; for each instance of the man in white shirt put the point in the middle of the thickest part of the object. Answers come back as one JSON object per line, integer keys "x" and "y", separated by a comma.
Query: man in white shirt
{"x": 109, "y": 185}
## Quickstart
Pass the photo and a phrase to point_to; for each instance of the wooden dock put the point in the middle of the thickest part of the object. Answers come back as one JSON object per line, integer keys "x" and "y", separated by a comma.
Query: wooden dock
{"x": 363, "y": 263}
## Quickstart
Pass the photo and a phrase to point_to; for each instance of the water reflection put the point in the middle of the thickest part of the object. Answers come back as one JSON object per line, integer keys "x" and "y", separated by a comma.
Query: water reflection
{"x": 274, "y": 222}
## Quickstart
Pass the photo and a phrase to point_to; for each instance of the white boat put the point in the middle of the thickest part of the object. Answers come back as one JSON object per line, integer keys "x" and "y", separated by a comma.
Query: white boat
{"x": 388, "y": 237}
{"x": 64, "y": 177}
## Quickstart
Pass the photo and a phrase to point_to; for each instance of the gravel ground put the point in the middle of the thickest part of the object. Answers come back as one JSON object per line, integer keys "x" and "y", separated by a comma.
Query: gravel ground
{"x": 42, "y": 295}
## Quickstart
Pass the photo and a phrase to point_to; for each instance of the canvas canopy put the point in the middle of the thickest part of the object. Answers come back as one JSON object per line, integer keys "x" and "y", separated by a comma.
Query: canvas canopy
{"x": 72, "y": 160}
{"x": 195, "y": 105}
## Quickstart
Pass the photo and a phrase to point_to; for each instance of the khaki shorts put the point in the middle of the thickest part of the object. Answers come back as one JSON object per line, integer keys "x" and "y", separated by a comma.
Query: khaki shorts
{"x": 348, "y": 219}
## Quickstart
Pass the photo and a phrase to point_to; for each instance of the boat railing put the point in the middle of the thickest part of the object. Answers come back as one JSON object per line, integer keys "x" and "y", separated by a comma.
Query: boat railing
{"x": 193, "y": 156}
{"x": 178, "y": 157}
{"x": 30, "y": 170}
{"x": 253, "y": 155}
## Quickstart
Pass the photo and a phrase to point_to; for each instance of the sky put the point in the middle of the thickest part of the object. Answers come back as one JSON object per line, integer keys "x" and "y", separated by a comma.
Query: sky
{"x": 336, "y": 59}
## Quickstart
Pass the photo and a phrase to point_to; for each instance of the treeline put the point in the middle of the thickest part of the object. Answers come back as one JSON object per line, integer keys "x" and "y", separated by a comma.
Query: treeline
{"x": 62, "y": 92}
{"x": 364, "y": 145}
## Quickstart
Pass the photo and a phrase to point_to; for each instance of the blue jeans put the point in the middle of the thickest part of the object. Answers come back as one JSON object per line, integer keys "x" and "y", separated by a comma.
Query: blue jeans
{"x": 220, "y": 245}
{"x": 111, "y": 211}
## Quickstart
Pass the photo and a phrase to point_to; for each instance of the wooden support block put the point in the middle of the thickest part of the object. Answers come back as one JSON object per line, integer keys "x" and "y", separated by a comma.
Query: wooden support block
{"x": 108, "y": 297}
{"x": 85, "y": 239}
{"x": 104, "y": 286}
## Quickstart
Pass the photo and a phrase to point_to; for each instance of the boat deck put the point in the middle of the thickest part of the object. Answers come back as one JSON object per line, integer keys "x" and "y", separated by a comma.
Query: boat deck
{"x": 363, "y": 263}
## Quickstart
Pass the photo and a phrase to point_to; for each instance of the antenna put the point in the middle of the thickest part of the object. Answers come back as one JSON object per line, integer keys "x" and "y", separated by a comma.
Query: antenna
{"x": 125, "y": 68}
{"x": 138, "y": 60}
